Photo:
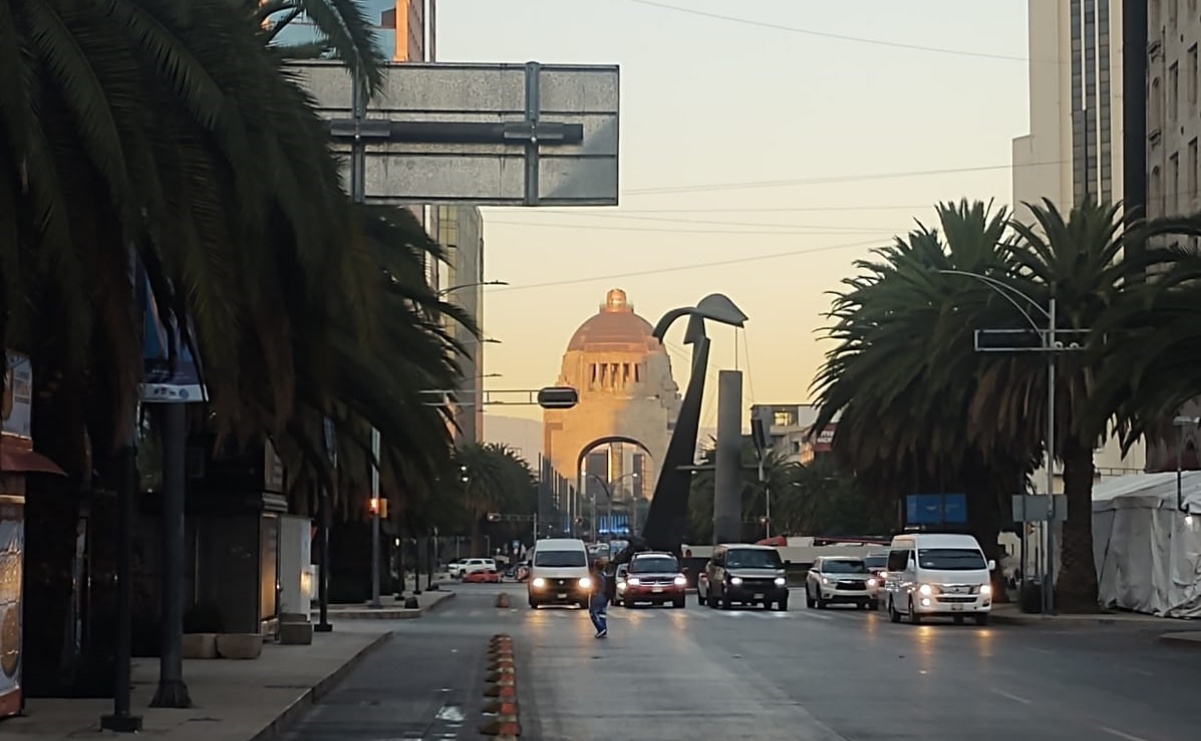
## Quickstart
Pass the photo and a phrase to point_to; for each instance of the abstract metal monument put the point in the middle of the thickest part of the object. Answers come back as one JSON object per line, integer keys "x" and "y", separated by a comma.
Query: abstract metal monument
{"x": 667, "y": 519}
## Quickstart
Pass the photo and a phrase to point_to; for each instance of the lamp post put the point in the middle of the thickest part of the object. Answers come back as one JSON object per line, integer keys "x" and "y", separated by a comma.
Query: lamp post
{"x": 1180, "y": 423}
{"x": 1050, "y": 346}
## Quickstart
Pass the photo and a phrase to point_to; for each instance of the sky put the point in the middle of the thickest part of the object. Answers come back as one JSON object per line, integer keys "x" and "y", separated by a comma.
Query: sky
{"x": 866, "y": 134}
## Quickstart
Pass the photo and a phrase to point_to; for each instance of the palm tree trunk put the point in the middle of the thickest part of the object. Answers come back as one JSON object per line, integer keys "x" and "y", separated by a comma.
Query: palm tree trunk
{"x": 1076, "y": 587}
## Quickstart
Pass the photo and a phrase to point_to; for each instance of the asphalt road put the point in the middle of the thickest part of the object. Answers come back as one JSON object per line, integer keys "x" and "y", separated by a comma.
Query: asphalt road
{"x": 804, "y": 675}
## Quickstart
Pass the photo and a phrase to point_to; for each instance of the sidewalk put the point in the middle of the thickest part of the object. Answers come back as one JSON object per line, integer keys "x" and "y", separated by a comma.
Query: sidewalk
{"x": 392, "y": 609}
{"x": 232, "y": 700}
{"x": 1010, "y": 614}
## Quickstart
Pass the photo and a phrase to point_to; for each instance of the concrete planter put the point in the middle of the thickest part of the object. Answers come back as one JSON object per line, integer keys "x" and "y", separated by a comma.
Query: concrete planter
{"x": 239, "y": 645}
{"x": 296, "y": 634}
{"x": 200, "y": 645}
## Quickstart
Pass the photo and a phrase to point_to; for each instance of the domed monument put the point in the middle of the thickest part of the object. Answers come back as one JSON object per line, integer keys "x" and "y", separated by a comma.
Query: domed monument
{"x": 615, "y": 437}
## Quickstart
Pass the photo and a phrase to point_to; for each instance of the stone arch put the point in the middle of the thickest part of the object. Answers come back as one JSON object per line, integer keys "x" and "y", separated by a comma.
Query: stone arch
{"x": 606, "y": 440}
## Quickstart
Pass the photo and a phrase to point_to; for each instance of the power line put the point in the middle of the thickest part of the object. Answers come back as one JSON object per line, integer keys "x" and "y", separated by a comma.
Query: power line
{"x": 773, "y": 209}
{"x": 732, "y": 232}
{"x": 827, "y": 180}
{"x": 838, "y": 36}
{"x": 694, "y": 266}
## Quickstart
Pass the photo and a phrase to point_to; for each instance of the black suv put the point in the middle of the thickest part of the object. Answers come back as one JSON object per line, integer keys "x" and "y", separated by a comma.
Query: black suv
{"x": 744, "y": 574}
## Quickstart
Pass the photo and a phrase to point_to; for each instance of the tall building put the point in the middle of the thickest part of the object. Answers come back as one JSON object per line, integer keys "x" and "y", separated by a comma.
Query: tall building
{"x": 1075, "y": 146}
{"x": 407, "y": 33}
{"x": 1173, "y": 116}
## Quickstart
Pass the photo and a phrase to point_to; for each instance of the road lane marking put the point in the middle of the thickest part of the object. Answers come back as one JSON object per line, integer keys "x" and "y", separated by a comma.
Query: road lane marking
{"x": 1119, "y": 734}
{"x": 1015, "y": 698}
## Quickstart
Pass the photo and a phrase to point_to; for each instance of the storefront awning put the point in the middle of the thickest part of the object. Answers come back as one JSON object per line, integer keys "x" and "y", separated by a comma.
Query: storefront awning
{"x": 18, "y": 458}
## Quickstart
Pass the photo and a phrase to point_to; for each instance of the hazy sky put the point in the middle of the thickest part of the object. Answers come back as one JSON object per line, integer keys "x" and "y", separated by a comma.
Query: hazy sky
{"x": 717, "y": 107}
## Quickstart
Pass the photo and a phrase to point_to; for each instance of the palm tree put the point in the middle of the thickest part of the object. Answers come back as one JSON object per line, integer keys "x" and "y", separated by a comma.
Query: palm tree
{"x": 1095, "y": 268}
{"x": 903, "y": 372}
{"x": 491, "y": 478}
{"x": 338, "y": 29}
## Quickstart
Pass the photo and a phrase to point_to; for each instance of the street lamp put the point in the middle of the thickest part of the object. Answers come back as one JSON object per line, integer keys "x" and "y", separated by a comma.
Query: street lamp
{"x": 477, "y": 284}
{"x": 1051, "y": 347}
{"x": 1181, "y": 423}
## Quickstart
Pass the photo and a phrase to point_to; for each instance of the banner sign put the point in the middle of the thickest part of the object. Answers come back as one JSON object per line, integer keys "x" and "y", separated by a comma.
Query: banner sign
{"x": 168, "y": 377}
{"x": 12, "y": 545}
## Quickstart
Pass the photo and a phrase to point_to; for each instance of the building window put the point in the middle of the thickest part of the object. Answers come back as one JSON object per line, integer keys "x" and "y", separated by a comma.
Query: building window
{"x": 1173, "y": 91}
{"x": 1174, "y": 193}
{"x": 1191, "y": 175}
{"x": 638, "y": 373}
{"x": 1156, "y": 118}
{"x": 592, "y": 379}
{"x": 1191, "y": 80}
{"x": 1155, "y": 193}
{"x": 1173, "y": 13}
{"x": 1153, "y": 16}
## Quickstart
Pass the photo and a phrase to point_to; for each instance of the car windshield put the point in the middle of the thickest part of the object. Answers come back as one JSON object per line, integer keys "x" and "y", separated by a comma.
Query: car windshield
{"x": 844, "y": 567}
{"x": 876, "y": 562}
{"x": 951, "y": 559}
{"x": 560, "y": 559}
{"x": 654, "y": 565}
{"x": 753, "y": 559}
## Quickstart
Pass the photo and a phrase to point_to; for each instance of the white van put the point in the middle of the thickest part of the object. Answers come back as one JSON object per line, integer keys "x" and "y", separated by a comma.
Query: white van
{"x": 559, "y": 573}
{"x": 937, "y": 574}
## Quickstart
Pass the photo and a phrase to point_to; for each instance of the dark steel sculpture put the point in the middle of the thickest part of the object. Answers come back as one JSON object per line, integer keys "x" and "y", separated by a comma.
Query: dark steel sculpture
{"x": 667, "y": 520}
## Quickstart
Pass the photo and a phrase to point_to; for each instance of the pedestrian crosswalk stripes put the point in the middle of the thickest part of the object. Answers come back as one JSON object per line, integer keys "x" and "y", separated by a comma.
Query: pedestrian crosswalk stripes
{"x": 641, "y": 614}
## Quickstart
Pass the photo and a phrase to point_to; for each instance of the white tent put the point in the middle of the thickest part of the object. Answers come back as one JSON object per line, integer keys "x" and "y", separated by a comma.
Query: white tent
{"x": 1147, "y": 552}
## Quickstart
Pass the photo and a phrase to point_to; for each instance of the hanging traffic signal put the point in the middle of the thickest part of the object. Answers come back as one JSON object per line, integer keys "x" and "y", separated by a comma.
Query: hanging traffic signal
{"x": 378, "y": 506}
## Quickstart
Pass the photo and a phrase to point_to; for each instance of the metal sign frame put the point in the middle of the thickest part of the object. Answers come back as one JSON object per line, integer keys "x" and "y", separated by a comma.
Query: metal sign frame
{"x": 484, "y": 134}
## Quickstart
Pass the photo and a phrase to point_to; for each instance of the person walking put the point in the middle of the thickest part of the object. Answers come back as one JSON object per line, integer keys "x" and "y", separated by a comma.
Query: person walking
{"x": 599, "y": 600}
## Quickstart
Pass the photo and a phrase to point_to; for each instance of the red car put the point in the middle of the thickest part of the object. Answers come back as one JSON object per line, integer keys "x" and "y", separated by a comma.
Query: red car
{"x": 482, "y": 576}
{"x": 654, "y": 578}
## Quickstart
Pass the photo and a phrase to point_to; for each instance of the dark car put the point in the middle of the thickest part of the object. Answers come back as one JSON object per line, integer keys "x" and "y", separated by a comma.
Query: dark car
{"x": 744, "y": 574}
{"x": 654, "y": 578}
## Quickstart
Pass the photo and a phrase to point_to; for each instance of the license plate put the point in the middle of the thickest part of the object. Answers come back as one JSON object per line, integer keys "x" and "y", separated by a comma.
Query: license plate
{"x": 562, "y": 595}
{"x": 657, "y": 590}
{"x": 956, "y": 608}
{"x": 758, "y": 596}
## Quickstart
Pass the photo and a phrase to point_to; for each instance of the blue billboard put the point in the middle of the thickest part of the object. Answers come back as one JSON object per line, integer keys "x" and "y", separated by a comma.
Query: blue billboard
{"x": 936, "y": 509}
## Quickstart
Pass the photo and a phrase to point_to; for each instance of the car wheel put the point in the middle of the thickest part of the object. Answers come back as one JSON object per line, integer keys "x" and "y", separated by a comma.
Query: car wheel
{"x": 678, "y": 603}
{"x": 809, "y": 601}
{"x": 782, "y": 605}
{"x": 982, "y": 618}
{"x": 533, "y": 605}
{"x": 700, "y": 598}
{"x": 710, "y": 600}
{"x": 628, "y": 603}
{"x": 874, "y": 605}
{"x": 893, "y": 615}
{"x": 913, "y": 616}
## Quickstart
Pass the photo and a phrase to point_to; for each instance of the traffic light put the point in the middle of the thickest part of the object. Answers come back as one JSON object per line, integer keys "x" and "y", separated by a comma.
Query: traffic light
{"x": 378, "y": 506}
{"x": 558, "y": 397}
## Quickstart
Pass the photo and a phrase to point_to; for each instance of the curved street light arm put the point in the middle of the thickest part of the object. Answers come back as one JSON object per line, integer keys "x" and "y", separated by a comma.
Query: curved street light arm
{"x": 1007, "y": 292}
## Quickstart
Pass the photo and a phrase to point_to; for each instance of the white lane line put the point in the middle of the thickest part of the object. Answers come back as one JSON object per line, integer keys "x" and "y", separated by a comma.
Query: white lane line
{"x": 1015, "y": 698}
{"x": 1120, "y": 734}
{"x": 1142, "y": 672}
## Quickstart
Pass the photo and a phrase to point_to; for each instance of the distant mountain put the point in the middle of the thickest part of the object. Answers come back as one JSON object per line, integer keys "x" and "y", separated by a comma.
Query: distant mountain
{"x": 523, "y": 435}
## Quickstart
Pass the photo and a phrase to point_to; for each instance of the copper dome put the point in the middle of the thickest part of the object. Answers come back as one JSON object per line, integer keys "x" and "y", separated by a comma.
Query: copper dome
{"x": 614, "y": 327}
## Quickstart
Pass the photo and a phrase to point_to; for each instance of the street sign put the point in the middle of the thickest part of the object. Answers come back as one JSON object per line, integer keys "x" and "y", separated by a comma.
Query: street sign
{"x": 484, "y": 134}
{"x": 936, "y": 509}
{"x": 558, "y": 397}
{"x": 1030, "y": 340}
{"x": 1035, "y": 508}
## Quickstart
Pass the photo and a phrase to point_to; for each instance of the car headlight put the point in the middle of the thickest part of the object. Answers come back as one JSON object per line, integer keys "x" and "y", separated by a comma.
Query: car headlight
{"x": 538, "y": 583}
{"x": 926, "y": 590}
{"x": 633, "y": 581}
{"x": 825, "y": 580}
{"x": 986, "y": 589}
{"x": 781, "y": 581}
{"x": 621, "y": 586}
{"x": 585, "y": 582}
{"x": 680, "y": 581}
{"x": 736, "y": 580}
{"x": 872, "y": 583}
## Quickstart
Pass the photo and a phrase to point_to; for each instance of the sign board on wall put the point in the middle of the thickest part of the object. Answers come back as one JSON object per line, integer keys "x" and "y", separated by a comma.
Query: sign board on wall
{"x": 18, "y": 396}
{"x": 825, "y": 440}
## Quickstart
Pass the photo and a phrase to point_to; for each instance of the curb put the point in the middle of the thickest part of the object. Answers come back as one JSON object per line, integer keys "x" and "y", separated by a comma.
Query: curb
{"x": 388, "y": 613}
{"x": 276, "y": 728}
{"x": 1184, "y": 639}
{"x": 1069, "y": 620}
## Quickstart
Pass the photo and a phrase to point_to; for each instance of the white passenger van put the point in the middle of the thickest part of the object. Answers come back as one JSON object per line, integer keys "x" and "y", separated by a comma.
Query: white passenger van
{"x": 559, "y": 573}
{"x": 937, "y": 574}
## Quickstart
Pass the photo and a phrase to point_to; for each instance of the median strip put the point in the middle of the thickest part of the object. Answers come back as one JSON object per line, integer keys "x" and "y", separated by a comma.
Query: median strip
{"x": 501, "y": 687}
